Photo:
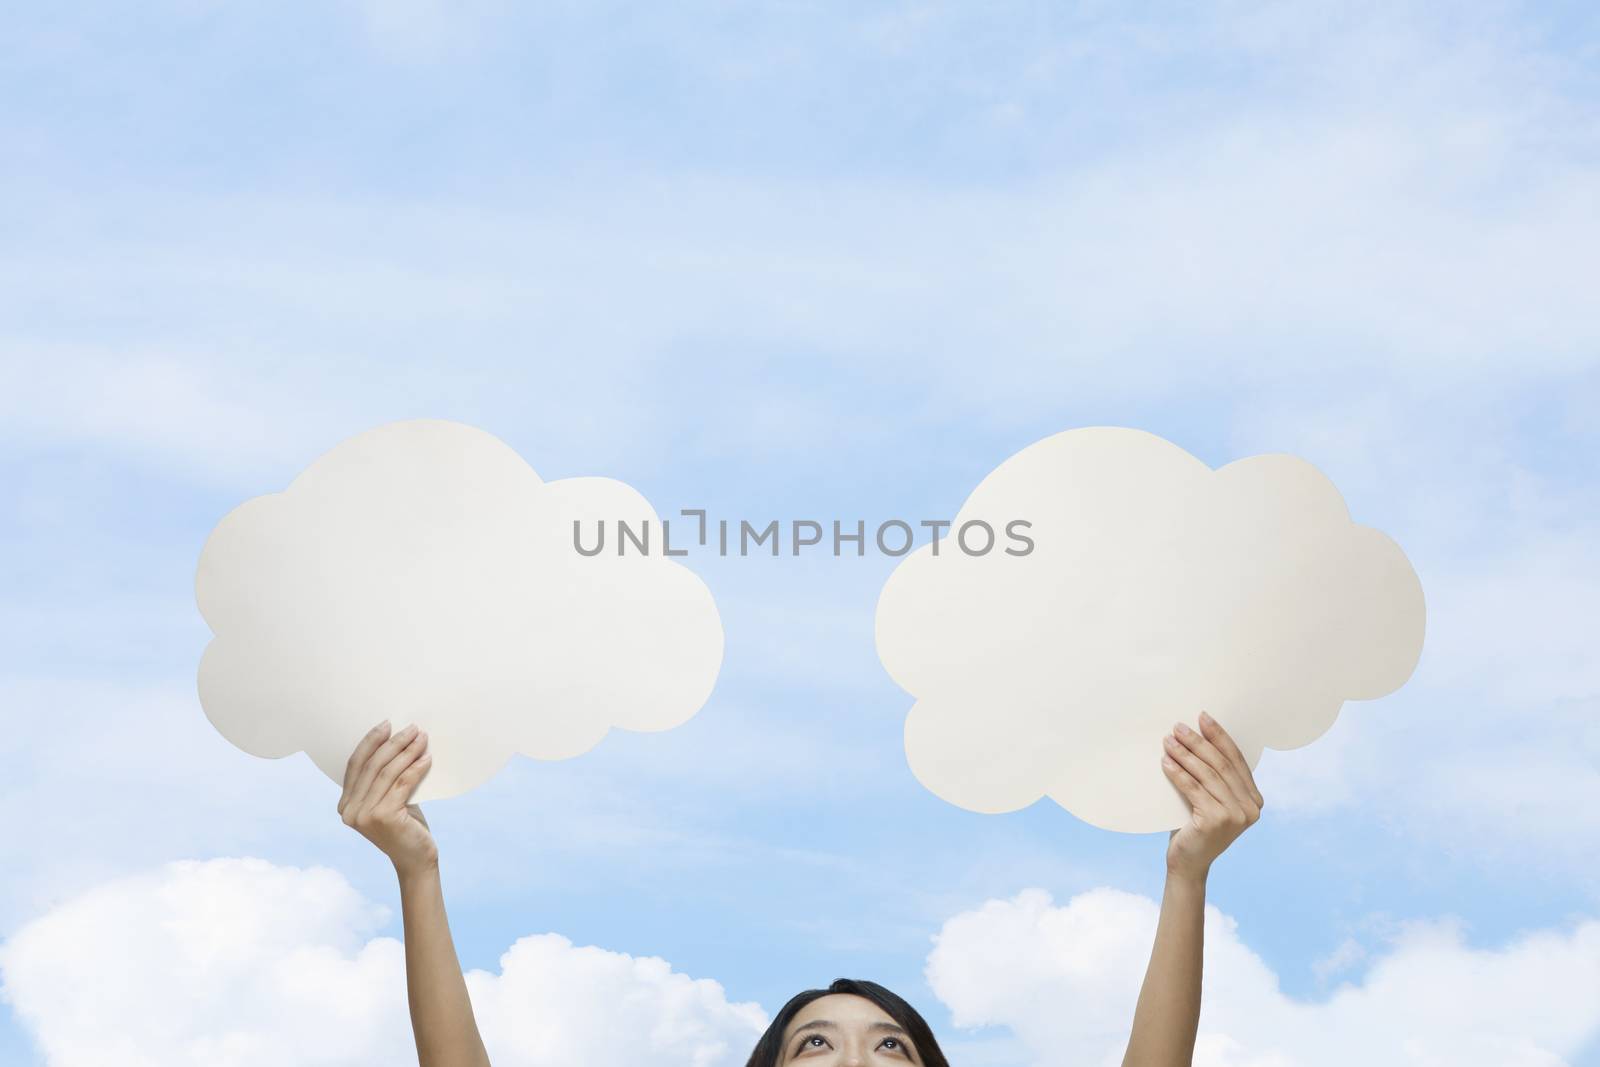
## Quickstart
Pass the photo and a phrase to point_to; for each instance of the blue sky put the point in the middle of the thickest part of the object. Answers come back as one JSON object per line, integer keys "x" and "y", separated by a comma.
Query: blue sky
{"x": 808, "y": 259}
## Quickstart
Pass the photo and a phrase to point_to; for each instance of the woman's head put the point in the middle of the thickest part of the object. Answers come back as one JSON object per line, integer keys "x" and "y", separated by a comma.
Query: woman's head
{"x": 850, "y": 1024}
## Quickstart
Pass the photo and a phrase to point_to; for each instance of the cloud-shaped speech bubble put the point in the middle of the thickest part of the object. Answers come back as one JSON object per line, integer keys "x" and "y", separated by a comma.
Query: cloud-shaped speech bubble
{"x": 422, "y": 572}
{"x": 1154, "y": 588}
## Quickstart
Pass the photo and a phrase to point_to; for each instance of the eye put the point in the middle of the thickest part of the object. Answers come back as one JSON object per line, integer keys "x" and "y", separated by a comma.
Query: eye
{"x": 806, "y": 1043}
{"x": 894, "y": 1044}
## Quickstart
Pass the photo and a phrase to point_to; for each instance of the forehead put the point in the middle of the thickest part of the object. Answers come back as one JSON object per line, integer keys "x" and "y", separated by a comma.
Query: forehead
{"x": 843, "y": 1008}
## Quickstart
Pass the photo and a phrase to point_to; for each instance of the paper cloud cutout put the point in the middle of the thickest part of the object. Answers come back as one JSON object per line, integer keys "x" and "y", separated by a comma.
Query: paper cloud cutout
{"x": 422, "y": 572}
{"x": 1156, "y": 588}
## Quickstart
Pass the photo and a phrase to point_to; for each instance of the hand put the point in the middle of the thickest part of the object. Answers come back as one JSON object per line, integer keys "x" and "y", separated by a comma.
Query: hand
{"x": 379, "y": 779}
{"x": 1213, "y": 776}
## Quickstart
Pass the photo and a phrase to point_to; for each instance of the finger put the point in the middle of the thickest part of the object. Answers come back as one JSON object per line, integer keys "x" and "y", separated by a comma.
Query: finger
{"x": 358, "y": 758}
{"x": 377, "y": 761}
{"x": 392, "y": 770}
{"x": 1187, "y": 785}
{"x": 378, "y": 794}
{"x": 399, "y": 794}
{"x": 1202, "y": 772}
{"x": 411, "y": 765}
{"x": 1237, "y": 792}
{"x": 1214, "y": 732}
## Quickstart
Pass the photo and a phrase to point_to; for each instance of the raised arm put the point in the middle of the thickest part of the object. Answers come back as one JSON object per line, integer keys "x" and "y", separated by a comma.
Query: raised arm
{"x": 1214, "y": 777}
{"x": 378, "y": 783}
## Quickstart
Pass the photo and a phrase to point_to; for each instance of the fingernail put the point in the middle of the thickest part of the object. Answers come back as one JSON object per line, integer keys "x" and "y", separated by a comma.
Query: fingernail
{"x": 1167, "y": 761}
{"x": 1182, "y": 730}
{"x": 381, "y": 724}
{"x": 1207, "y": 719}
{"x": 1171, "y": 742}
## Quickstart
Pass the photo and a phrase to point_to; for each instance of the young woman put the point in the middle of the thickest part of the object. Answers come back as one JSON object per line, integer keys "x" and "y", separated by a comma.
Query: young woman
{"x": 851, "y": 1023}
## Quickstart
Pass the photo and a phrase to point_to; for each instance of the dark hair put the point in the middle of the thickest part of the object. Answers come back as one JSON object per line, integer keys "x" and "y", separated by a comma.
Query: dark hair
{"x": 769, "y": 1050}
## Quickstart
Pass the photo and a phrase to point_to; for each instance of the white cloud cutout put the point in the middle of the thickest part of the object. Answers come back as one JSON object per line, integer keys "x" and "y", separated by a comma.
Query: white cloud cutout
{"x": 1155, "y": 588}
{"x": 422, "y": 572}
{"x": 241, "y": 963}
{"x": 1064, "y": 979}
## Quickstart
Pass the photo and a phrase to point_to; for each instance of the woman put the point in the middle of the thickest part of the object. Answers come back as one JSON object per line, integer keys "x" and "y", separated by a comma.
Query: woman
{"x": 851, "y": 1023}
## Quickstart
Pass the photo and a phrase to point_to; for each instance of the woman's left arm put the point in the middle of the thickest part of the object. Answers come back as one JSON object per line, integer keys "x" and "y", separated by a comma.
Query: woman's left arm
{"x": 1214, "y": 777}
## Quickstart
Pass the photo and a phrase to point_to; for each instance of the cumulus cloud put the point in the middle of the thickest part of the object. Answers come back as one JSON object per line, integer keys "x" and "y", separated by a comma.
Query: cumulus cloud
{"x": 1064, "y": 979}
{"x": 1155, "y": 588}
{"x": 240, "y": 963}
{"x": 423, "y": 572}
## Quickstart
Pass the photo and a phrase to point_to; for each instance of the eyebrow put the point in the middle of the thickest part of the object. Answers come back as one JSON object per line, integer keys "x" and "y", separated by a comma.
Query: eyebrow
{"x": 829, "y": 1024}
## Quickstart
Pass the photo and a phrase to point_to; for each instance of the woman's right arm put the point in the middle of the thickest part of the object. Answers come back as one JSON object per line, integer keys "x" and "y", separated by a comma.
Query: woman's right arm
{"x": 379, "y": 779}
{"x": 1212, "y": 774}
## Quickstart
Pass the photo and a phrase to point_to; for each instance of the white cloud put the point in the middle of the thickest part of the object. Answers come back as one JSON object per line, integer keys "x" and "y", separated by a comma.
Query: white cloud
{"x": 424, "y": 568}
{"x": 203, "y": 962}
{"x": 239, "y": 963}
{"x": 1064, "y": 979}
{"x": 1155, "y": 587}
